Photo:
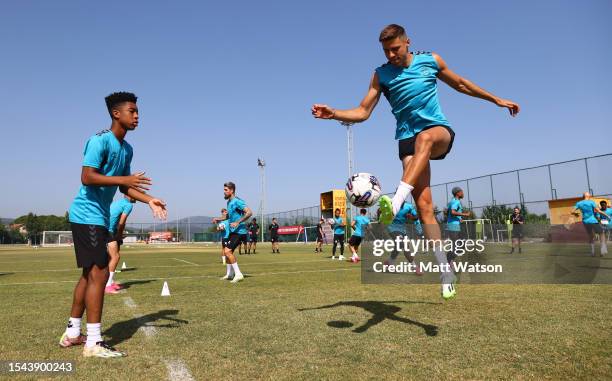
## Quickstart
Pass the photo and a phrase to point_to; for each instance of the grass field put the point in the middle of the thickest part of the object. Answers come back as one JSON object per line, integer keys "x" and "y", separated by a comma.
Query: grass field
{"x": 299, "y": 315}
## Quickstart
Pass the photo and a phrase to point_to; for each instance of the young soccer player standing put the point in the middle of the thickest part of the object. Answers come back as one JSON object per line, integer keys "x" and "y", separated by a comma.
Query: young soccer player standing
{"x": 106, "y": 166}
{"x": 119, "y": 212}
{"x": 339, "y": 232}
{"x": 589, "y": 209}
{"x": 408, "y": 81}
{"x": 359, "y": 224}
{"x": 320, "y": 235}
{"x": 273, "y": 228}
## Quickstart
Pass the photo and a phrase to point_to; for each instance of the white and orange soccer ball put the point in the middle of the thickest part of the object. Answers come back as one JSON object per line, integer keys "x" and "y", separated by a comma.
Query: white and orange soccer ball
{"x": 363, "y": 190}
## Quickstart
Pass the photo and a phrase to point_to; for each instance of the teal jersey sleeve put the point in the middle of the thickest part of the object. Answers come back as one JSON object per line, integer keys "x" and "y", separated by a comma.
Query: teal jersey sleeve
{"x": 95, "y": 152}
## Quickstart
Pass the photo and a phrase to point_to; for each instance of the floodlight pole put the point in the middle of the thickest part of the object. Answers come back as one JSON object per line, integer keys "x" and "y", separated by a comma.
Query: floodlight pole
{"x": 349, "y": 154}
{"x": 262, "y": 203}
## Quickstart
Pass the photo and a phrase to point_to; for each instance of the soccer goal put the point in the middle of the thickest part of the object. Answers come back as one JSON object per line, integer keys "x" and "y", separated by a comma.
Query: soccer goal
{"x": 480, "y": 228}
{"x": 56, "y": 238}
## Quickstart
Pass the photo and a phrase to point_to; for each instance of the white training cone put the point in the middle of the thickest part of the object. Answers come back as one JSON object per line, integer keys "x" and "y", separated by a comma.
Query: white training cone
{"x": 165, "y": 290}
{"x": 123, "y": 266}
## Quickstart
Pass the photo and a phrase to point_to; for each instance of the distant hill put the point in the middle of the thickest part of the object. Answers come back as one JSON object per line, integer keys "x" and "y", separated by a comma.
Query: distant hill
{"x": 6, "y": 221}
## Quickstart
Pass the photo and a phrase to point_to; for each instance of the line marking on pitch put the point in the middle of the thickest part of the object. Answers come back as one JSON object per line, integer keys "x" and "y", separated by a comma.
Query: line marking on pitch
{"x": 182, "y": 260}
{"x": 196, "y": 277}
{"x": 129, "y": 302}
{"x": 178, "y": 370}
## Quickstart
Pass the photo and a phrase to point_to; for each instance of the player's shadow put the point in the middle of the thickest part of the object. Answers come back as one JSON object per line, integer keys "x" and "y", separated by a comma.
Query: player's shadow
{"x": 380, "y": 311}
{"x": 124, "y": 330}
{"x": 130, "y": 283}
{"x": 129, "y": 269}
{"x": 5, "y": 274}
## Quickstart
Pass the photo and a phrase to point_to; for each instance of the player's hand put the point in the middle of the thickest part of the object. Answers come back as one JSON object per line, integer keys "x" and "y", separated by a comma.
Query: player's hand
{"x": 322, "y": 111}
{"x": 138, "y": 181}
{"x": 234, "y": 224}
{"x": 511, "y": 106}
{"x": 215, "y": 220}
{"x": 159, "y": 208}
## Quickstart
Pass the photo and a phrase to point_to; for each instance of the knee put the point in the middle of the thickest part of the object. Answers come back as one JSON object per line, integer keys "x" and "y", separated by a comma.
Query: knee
{"x": 424, "y": 142}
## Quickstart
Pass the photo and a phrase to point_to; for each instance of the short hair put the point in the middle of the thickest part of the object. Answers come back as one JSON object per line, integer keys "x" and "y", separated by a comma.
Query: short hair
{"x": 273, "y": 218}
{"x": 603, "y": 202}
{"x": 392, "y": 31}
{"x": 254, "y": 219}
{"x": 223, "y": 210}
{"x": 230, "y": 185}
{"x": 337, "y": 210}
{"x": 363, "y": 211}
{"x": 115, "y": 99}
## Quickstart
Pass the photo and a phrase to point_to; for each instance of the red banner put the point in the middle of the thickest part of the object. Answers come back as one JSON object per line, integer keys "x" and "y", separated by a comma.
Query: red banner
{"x": 284, "y": 230}
{"x": 160, "y": 236}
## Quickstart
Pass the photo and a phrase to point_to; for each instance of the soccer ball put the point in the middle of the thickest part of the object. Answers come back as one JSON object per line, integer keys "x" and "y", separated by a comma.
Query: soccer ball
{"x": 331, "y": 221}
{"x": 363, "y": 190}
{"x": 221, "y": 226}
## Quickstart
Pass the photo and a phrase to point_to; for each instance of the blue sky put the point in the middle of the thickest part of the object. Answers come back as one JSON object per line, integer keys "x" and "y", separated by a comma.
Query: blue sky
{"x": 221, "y": 83}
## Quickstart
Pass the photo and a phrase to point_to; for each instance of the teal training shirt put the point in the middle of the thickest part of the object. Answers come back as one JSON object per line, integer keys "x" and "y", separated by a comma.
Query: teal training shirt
{"x": 587, "y": 207}
{"x": 360, "y": 223}
{"x": 110, "y": 157}
{"x": 236, "y": 209}
{"x": 337, "y": 228}
{"x": 117, "y": 208}
{"x": 453, "y": 223}
{"x": 413, "y": 94}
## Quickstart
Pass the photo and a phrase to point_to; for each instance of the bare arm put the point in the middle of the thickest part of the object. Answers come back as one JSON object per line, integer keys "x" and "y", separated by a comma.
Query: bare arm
{"x": 247, "y": 214}
{"x": 90, "y": 176}
{"x": 355, "y": 115}
{"x": 468, "y": 87}
{"x": 121, "y": 224}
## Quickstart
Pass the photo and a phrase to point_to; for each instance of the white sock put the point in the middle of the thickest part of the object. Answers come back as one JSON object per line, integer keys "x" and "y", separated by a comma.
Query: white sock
{"x": 223, "y": 258}
{"x": 592, "y": 249}
{"x": 402, "y": 193}
{"x": 230, "y": 271}
{"x": 110, "y": 278}
{"x": 236, "y": 269}
{"x": 604, "y": 248}
{"x": 73, "y": 329}
{"x": 446, "y": 277}
{"x": 93, "y": 334}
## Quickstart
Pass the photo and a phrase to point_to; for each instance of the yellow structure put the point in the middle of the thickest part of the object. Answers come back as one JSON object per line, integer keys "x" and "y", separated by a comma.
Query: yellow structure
{"x": 561, "y": 209}
{"x": 331, "y": 200}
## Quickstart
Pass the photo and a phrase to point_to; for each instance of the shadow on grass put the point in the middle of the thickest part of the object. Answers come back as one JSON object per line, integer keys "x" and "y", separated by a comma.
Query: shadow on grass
{"x": 128, "y": 269}
{"x": 380, "y": 311}
{"x": 124, "y": 330}
{"x": 130, "y": 283}
{"x": 5, "y": 274}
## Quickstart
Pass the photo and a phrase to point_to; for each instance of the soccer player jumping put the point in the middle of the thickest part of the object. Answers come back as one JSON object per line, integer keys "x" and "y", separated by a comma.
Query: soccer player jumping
{"x": 408, "y": 81}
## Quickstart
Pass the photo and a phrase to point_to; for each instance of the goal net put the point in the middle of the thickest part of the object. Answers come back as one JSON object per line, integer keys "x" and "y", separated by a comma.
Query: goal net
{"x": 56, "y": 238}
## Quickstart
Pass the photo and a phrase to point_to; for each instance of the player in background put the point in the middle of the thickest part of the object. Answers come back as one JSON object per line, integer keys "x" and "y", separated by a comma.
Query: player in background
{"x": 605, "y": 221}
{"x": 589, "y": 210}
{"x": 119, "y": 212}
{"x": 409, "y": 82}
{"x": 237, "y": 213}
{"x": 398, "y": 228}
{"x": 338, "y": 226}
{"x": 517, "y": 220}
{"x": 253, "y": 230}
{"x": 106, "y": 167}
{"x": 320, "y": 235}
{"x": 223, "y": 227}
{"x": 273, "y": 229}
{"x": 359, "y": 225}
{"x": 453, "y": 220}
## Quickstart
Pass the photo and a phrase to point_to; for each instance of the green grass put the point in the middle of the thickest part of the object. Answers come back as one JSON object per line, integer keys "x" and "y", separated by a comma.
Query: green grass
{"x": 272, "y": 326}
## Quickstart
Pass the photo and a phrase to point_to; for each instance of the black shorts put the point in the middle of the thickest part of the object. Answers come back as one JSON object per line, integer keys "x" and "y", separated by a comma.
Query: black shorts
{"x": 517, "y": 231}
{"x": 274, "y": 239}
{"x": 235, "y": 240}
{"x": 593, "y": 228}
{"x": 406, "y": 146}
{"x": 355, "y": 240}
{"x": 319, "y": 238}
{"x": 339, "y": 238}
{"x": 90, "y": 245}
{"x": 224, "y": 242}
{"x": 114, "y": 237}
{"x": 253, "y": 237}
